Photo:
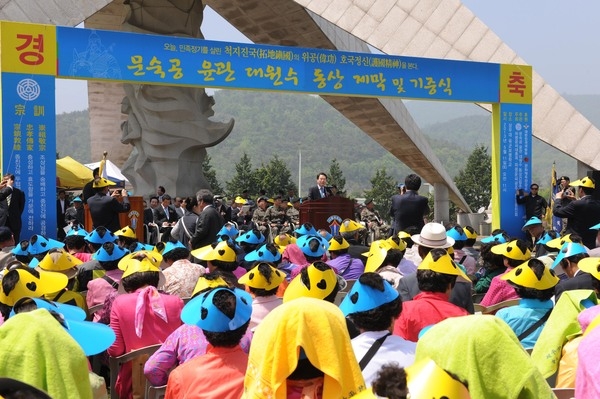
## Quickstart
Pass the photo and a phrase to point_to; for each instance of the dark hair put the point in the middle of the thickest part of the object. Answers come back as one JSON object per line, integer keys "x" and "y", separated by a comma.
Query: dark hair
{"x": 531, "y": 293}
{"x": 154, "y": 197}
{"x": 74, "y": 242}
{"x": 390, "y": 382}
{"x": 96, "y": 172}
{"x": 588, "y": 190}
{"x": 161, "y": 188}
{"x": 523, "y": 247}
{"x": 139, "y": 280}
{"x": 267, "y": 272}
{"x": 412, "y": 182}
{"x": 224, "y": 266}
{"x": 225, "y": 301}
{"x": 489, "y": 260}
{"x": 576, "y": 258}
{"x": 322, "y": 173}
{"x": 393, "y": 257}
{"x": 431, "y": 281}
{"x": 322, "y": 266}
{"x": 166, "y": 197}
{"x": 379, "y": 318}
{"x": 190, "y": 203}
{"x": 470, "y": 241}
{"x": 177, "y": 254}
{"x": 205, "y": 196}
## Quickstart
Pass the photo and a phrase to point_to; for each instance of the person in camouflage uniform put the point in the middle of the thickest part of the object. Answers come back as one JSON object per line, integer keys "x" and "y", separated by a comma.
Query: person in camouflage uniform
{"x": 293, "y": 212}
{"x": 373, "y": 221}
{"x": 259, "y": 217}
{"x": 277, "y": 216}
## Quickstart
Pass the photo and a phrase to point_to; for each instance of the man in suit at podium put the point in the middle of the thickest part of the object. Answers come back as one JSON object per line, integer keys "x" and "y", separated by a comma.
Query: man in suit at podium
{"x": 320, "y": 190}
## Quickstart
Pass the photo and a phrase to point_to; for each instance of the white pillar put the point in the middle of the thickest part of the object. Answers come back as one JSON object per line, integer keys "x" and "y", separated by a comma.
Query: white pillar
{"x": 441, "y": 203}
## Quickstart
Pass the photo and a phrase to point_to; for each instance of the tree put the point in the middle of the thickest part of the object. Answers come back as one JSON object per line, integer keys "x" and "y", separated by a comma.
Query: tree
{"x": 211, "y": 175}
{"x": 474, "y": 181}
{"x": 274, "y": 176}
{"x": 383, "y": 187}
{"x": 336, "y": 176}
{"x": 244, "y": 178}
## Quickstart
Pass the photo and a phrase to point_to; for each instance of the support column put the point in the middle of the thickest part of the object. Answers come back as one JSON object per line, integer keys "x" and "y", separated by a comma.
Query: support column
{"x": 441, "y": 203}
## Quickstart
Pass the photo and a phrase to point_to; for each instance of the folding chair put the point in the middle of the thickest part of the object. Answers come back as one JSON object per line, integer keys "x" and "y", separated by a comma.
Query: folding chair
{"x": 139, "y": 357}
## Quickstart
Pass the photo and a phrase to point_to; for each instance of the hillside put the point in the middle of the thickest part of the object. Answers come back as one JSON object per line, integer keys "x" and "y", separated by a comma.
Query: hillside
{"x": 283, "y": 124}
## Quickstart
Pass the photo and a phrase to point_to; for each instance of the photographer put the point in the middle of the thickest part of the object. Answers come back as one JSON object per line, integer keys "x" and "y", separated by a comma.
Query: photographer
{"x": 535, "y": 205}
{"x": 105, "y": 208}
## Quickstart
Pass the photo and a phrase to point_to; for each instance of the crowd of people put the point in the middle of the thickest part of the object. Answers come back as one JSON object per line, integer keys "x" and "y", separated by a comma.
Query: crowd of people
{"x": 247, "y": 302}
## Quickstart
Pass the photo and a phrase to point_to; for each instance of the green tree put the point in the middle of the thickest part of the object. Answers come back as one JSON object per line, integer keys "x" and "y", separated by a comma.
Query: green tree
{"x": 211, "y": 176}
{"x": 474, "y": 181}
{"x": 383, "y": 187}
{"x": 274, "y": 176}
{"x": 244, "y": 178}
{"x": 336, "y": 176}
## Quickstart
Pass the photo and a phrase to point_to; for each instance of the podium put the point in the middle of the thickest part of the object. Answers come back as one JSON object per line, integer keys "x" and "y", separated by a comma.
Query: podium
{"x": 317, "y": 212}
{"x": 133, "y": 218}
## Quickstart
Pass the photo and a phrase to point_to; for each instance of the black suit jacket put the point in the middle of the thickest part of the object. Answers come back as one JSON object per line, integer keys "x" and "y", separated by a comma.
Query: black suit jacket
{"x": 148, "y": 215}
{"x": 581, "y": 215}
{"x": 581, "y": 281}
{"x": 314, "y": 193}
{"x": 15, "y": 210}
{"x": 160, "y": 216}
{"x": 408, "y": 210}
{"x": 60, "y": 213}
{"x": 208, "y": 225}
{"x": 105, "y": 210}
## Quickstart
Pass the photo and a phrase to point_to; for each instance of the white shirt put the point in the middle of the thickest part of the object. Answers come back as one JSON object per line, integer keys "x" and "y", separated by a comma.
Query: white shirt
{"x": 393, "y": 349}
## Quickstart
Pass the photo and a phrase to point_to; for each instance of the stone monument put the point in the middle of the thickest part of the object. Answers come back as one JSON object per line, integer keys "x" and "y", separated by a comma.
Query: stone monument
{"x": 169, "y": 127}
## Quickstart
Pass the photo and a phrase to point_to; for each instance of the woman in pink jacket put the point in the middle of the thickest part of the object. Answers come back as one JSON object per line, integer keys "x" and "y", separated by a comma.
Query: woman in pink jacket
{"x": 143, "y": 316}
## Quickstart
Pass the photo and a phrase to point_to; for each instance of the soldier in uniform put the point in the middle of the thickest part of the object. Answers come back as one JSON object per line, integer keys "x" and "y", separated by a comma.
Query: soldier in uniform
{"x": 372, "y": 220}
{"x": 293, "y": 213}
{"x": 259, "y": 217}
{"x": 277, "y": 216}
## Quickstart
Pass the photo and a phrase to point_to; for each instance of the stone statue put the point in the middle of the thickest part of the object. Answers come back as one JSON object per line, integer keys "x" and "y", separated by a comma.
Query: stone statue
{"x": 169, "y": 127}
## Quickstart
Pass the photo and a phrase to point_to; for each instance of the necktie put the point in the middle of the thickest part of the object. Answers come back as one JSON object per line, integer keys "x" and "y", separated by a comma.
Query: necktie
{"x": 322, "y": 192}
{"x": 166, "y": 213}
{"x": 8, "y": 199}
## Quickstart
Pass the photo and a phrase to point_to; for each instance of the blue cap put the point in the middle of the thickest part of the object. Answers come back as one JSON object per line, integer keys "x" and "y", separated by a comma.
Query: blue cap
{"x": 70, "y": 312}
{"x": 102, "y": 255}
{"x": 304, "y": 244}
{"x": 531, "y": 222}
{"x": 568, "y": 249}
{"x": 39, "y": 244}
{"x": 303, "y": 230}
{"x": 544, "y": 239}
{"x": 328, "y": 236}
{"x": 595, "y": 227}
{"x": 202, "y": 312}
{"x": 363, "y": 298}
{"x": 454, "y": 233}
{"x": 77, "y": 231}
{"x": 76, "y": 199}
{"x": 263, "y": 254}
{"x": 497, "y": 239}
{"x": 169, "y": 246}
{"x": 100, "y": 235}
{"x": 228, "y": 230}
{"x": 139, "y": 246}
{"x": 92, "y": 337}
{"x": 251, "y": 237}
{"x": 21, "y": 249}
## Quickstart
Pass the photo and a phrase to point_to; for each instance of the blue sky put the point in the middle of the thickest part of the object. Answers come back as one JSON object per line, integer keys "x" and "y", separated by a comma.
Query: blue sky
{"x": 558, "y": 38}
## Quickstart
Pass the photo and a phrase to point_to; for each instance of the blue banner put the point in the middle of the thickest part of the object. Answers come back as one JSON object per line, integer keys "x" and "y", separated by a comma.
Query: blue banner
{"x": 142, "y": 58}
{"x": 29, "y": 147}
{"x": 515, "y": 163}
